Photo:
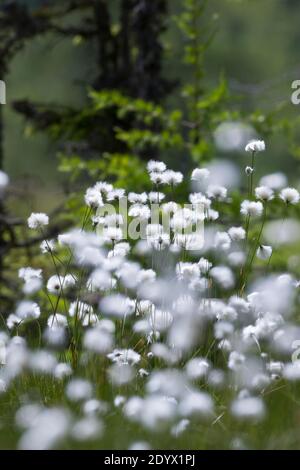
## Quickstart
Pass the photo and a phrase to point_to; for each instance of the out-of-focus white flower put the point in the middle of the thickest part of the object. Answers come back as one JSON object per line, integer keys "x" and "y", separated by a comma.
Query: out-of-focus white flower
{"x": 274, "y": 181}
{"x": 158, "y": 178}
{"x": 62, "y": 370}
{"x": 83, "y": 312}
{"x": 103, "y": 187}
{"x": 136, "y": 198}
{"x": 255, "y": 146}
{"x": 27, "y": 310}
{"x": 187, "y": 271}
{"x": 197, "y": 368}
{"x": 200, "y": 174}
{"x": 156, "y": 166}
{"x": 196, "y": 404}
{"x": 251, "y": 408}
{"x": 29, "y": 273}
{"x": 235, "y": 360}
{"x": 58, "y": 283}
{"x": 236, "y": 258}
{"x": 156, "y": 197}
{"x": 291, "y": 371}
{"x": 173, "y": 177}
{"x": 140, "y": 211}
{"x": 79, "y": 390}
{"x": 117, "y": 305}
{"x": 222, "y": 241}
{"x": 264, "y": 252}
{"x": 223, "y": 276}
{"x": 37, "y": 220}
{"x": 264, "y": 193}
{"x": 232, "y": 135}
{"x": 98, "y": 340}
{"x": 140, "y": 445}
{"x": 47, "y": 246}
{"x": 124, "y": 356}
{"x": 204, "y": 265}
{"x": 4, "y": 182}
{"x": 252, "y": 208}
{"x": 290, "y": 196}
{"x": 57, "y": 320}
{"x": 237, "y": 233}
{"x": 217, "y": 192}
{"x": 152, "y": 412}
{"x": 115, "y": 194}
{"x": 48, "y": 428}
{"x": 93, "y": 198}
{"x": 112, "y": 234}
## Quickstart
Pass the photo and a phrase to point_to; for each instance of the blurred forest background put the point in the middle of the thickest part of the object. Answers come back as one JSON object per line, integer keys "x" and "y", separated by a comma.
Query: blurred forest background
{"x": 255, "y": 46}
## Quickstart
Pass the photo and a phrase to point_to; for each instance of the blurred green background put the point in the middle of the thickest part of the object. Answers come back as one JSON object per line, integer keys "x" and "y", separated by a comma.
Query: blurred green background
{"x": 256, "y": 46}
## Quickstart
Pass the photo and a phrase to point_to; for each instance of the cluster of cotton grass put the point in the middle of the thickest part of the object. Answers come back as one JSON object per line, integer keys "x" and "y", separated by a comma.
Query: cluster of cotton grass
{"x": 152, "y": 330}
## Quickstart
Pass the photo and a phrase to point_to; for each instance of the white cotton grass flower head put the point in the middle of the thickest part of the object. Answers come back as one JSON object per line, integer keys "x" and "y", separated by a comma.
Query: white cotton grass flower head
{"x": 237, "y": 234}
{"x": 291, "y": 371}
{"x": 139, "y": 445}
{"x": 156, "y": 197}
{"x": 197, "y": 368}
{"x": 57, "y": 321}
{"x": 115, "y": 194}
{"x": 173, "y": 177}
{"x": 136, "y": 198}
{"x": 98, "y": 340}
{"x": 153, "y": 412}
{"x": 87, "y": 429}
{"x": 236, "y": 259}
{"x": 140, "y": 211}
{"x": 27, "y": 310}
{"x": 103, "y": 187}
{"x": 120, "y": 374}
{"x": 223, "y": 276}
{"x": 264, "y": 193}
{"x": 113, "y": 234}
{"x": 117, "y": 305}
{"x": 282, "y": 232}
{"x": 156, "y": 166}
{"x": 264, "y": 252}
{"x": 32, "y": 278}
{"x": 223, "y": 173}
{"x": 93, "y": 198}
{"x": 222, "y": 241}
{"x": 232, "y": 135}
{"x": 47, "y": 246}
{"x": 249, "y": 170}
{"x": 255, "y": 146}
{"x": 101, "y": 280}
{"x": 83, "y": 312}
{"x": 217, "y": 192}
{"x": 42, "y": 362}
{"x": 252, "y": 208}
{"x": 62, "y": 371}
{"x": 48, "y": 428}
{"x": 56, "y": 283}
{"x": 124, "y": 357}
{"x": 4, "y": 182}
{"x": 290, "y": 196}
{"x": 200, "y": 175}
{"x": 275, "y": 181}
{"x": 158, "y": 178}
{"x": 249, "y": 408}
{"x": 79, "y": 389}
{"x": 197, "y": 404}
{"x": 37, "y": 220}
